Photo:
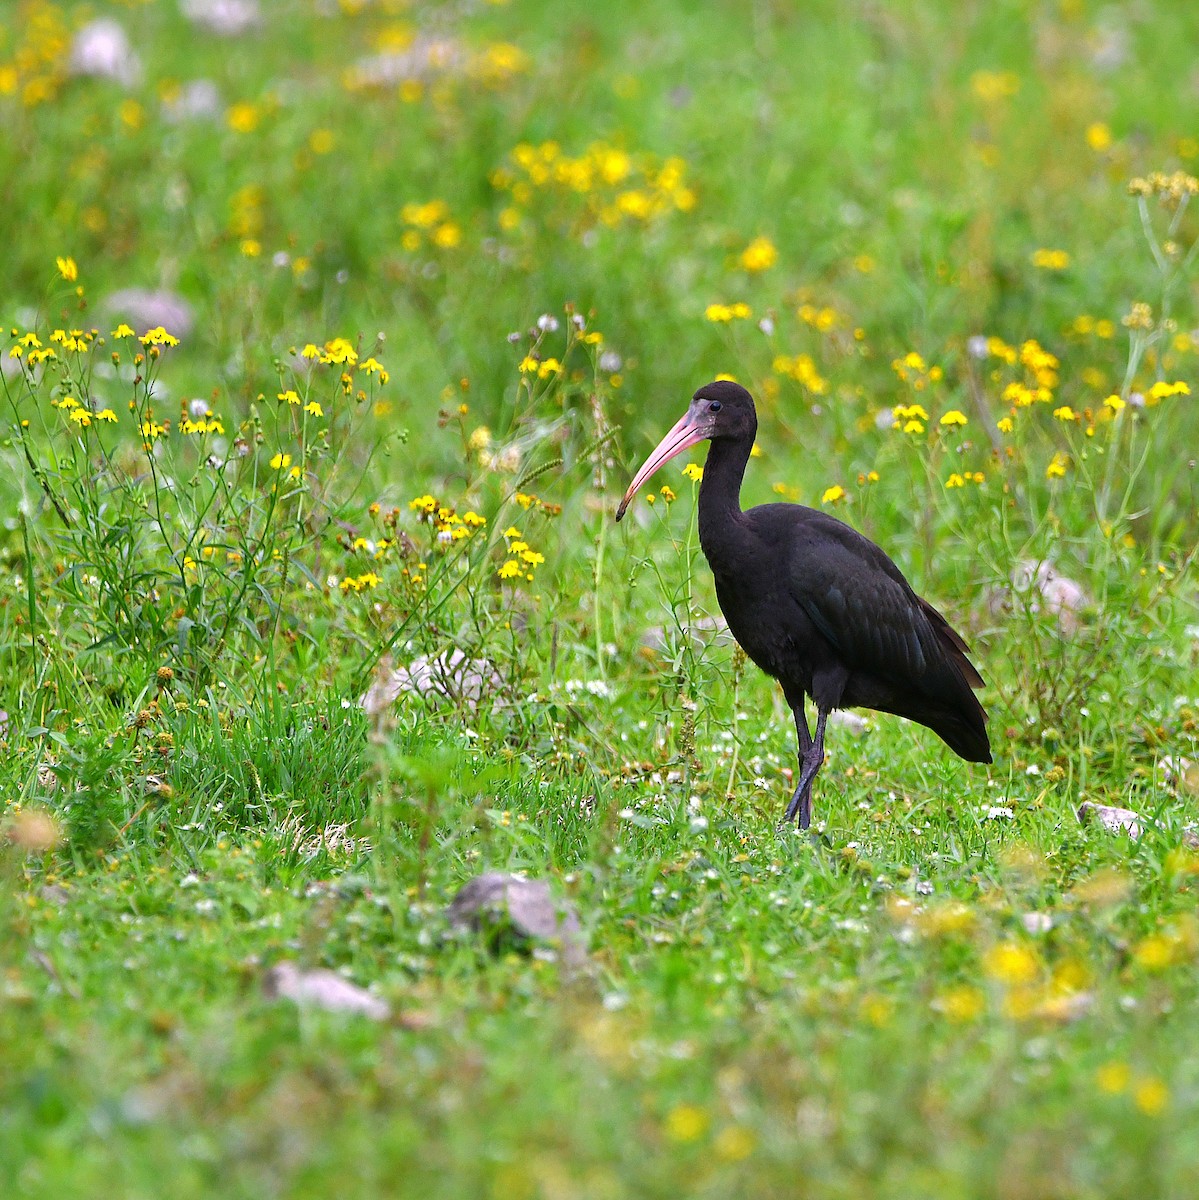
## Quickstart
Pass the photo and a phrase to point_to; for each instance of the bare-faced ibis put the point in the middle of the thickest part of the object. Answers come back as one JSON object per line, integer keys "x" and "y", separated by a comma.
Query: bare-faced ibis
{"x": 817, "y": 605}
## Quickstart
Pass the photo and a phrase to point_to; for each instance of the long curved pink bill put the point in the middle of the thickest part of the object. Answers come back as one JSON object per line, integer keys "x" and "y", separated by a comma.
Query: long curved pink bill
{"x": 684, "y": 434}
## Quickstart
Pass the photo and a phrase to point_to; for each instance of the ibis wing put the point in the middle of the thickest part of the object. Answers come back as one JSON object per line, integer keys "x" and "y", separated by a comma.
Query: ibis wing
{"x": 859, "y": 600}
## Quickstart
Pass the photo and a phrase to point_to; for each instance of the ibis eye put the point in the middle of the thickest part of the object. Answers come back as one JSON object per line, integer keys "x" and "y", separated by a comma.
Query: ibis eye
{"x": 714, "y": 406}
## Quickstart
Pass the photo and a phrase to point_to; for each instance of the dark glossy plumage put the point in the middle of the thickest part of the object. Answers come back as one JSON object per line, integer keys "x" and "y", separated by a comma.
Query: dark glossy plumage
{"x": 817, "y": 605}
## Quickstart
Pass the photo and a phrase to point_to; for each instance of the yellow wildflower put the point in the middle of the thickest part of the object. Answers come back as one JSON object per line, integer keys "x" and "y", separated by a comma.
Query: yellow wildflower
{"x": 1057, "y": 466}
{"x": 243, "y": 117}
{"x": 734, "y": 1143}
{"x": 279, "y": 461}
{"x": 314, "y": 409}
{"x": 67, "y": 269}
{"x": 1161, "y": 389}
{"x": 1151, "y": 1096}
{"x": 686, "y": 1123}
{"x": 1011, "y": 963}
{"x": 960, "y": 1004}
{"x": 1113, "y": 1078}
{"x": 954, "y": 417}
{"x": 759, "y": 255}
{"x": 1050, "y": 260}
{"x": 158, "y": 336}
{"x": 693, "y": 472}
{"x": 1065, "y": 413}
{"x": 833, "y": 494}
{"x": 290, "y": 396}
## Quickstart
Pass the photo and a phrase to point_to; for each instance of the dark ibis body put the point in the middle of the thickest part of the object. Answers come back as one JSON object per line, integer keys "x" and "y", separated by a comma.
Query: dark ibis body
{"x": 817, "y": 605}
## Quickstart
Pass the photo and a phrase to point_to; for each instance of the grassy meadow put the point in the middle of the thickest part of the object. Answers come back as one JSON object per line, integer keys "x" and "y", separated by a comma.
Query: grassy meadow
{"x": 330, "y": 334}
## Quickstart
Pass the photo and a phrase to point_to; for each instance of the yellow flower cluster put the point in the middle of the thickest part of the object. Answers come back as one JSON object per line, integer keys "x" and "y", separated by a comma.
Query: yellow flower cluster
{"x": 822, "y": 319}
{"x": 205, "y": 424}
{"x": 760, "y": 255}
{"x": 909, "y": 417}
{"x": 993, "y": 86}
{"x": 1162, "y": 390}
{"x": 450, "y": 527}
{"x": 358, "y": 583}
{"x": 1041, "y": 373}
{"x": 1087, "y": 326}
{"x": 83, "y": 417}
{"x": 522, "y": 559}
{"x": 158, "y": 336}
{"x": 430, "y": 220}
{"x": 833, "y": 495}
{"x": 498, "y": 63}
{"x": 76, "y": 340}
{"x": 1050, "y": 260}
{"x": 723, "y": 313}
{"x": 1170, "y": 189}
{"x": 40, "y": 52}
{"x": 1149, "y": 1094}
{"x": 956, "y": 481}
{"x": 912, "y": 369}
{"x": 337, "y": 352}
{"x": 543, "y": 369}
{"x": 616, "y": 187}
{"x": 802, "y": 369}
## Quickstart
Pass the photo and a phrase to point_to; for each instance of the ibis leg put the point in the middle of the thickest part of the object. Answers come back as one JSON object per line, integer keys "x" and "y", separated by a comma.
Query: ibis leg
{"x": 811, "y": 756}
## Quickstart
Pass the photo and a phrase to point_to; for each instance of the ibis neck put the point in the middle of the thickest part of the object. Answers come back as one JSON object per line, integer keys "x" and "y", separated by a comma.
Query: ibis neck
{"x": 720, "y": 491}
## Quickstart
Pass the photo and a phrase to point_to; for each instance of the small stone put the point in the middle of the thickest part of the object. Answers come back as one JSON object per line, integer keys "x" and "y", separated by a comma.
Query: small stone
{"x": 322, "y": 989}
{"x": 1118, "y": 820}
{"x": 497, "y": 902}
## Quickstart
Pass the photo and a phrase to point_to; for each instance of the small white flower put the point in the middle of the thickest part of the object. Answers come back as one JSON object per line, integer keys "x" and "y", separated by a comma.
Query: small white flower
{"x": 999, "y": 812}
{"x": 976, "y": 346}
{"x": 547, "y": 323}
{"x": 610, "y": 361}
{"x": 766, "y": 325}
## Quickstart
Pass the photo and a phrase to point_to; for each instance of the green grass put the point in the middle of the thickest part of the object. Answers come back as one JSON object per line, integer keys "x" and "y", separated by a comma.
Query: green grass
{"x": 957, "y": 989}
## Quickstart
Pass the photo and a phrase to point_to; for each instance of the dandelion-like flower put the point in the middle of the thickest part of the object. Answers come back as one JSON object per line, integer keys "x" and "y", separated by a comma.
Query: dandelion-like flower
{"x": 1050, "y": 260}
{"x": 759, "y": 255}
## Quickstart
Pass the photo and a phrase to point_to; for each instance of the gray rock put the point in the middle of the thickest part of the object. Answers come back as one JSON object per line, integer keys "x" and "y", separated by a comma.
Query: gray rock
{"x": 322, "y": 989}
{"x": 1118, "y": 820}
{"x": 497, "y": 903}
